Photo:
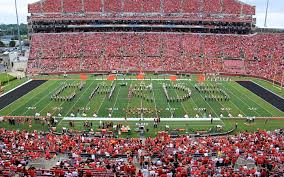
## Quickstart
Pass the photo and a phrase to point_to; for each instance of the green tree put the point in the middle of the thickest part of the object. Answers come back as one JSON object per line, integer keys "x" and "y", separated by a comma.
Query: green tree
{"x": 11, "y": 29}
{"x": 12, "y": 43}
{"x": 15, "y": 38}
{"x": 2, "y": 44}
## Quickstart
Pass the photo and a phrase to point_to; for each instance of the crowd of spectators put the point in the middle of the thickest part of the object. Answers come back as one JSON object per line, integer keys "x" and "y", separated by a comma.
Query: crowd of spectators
{"x": 72, "y": 6}
{"x": 153, "y": 6}
{"x": 259, "y": 54}
{"x": 161, "y": 156}
{"x": 51, "y": 6}
{"x": 231, "y": 7}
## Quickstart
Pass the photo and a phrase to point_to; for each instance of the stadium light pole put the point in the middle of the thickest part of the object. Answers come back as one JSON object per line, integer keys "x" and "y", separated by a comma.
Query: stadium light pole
{"x": 265, "y": 20}
{"x": 19, "y": 34}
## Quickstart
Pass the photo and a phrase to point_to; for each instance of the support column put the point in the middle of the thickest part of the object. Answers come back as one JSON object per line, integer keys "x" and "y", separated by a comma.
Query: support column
{"x": 122, "y": 6}
{"x": 162, "y": 7}
{"x": 103, "y": 6}
{"x": 83, "y": 5}
{"x": 62, "y": 6}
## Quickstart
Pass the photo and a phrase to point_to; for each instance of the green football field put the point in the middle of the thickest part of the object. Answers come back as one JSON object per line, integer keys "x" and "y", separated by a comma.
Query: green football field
{"x": 9, "y": 82}
{"x": 189, "y": 127}
{"x": 131, "y": 98}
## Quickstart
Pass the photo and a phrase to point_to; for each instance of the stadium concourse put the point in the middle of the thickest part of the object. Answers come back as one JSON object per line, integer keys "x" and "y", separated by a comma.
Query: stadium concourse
{"x": 152, "y": 36}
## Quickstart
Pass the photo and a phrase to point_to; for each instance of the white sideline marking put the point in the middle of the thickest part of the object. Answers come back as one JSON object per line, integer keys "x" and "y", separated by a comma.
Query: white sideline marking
{"x": 16, "y": 88}
{"x": 268, "y": 90}
{"x": 137, "y": 119}
{"x": 100, "y": 79}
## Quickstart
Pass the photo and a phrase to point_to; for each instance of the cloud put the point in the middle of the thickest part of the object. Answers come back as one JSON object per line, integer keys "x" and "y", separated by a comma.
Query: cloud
{"x": 274, "y": 20}
{"x": 8, "y": 14}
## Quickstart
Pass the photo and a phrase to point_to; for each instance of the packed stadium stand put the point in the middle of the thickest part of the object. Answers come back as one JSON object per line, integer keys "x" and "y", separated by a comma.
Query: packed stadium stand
{"x": 161, "y": 156}
{"x": 153, "y": 35}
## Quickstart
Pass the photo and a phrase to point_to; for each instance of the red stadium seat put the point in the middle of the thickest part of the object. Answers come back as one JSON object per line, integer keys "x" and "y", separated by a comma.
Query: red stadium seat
{"x": 171, "y": 6}
{"x": 133, "y": 6}
{"x": 72, "y": 6}
{"x": 111, "y": 6}
{"x": 92, "y": 5}
{"x": 151, "y": 6}
{"x": 212, "y": 6}
{"x": 52, "y": 6}
{"x": 193, "y": 52}
{"x": 191, "y": 6}
{"x": 231, "y": 7}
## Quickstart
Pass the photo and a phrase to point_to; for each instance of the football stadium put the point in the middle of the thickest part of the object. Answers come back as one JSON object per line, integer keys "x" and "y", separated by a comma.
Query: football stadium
{"x": 144, "y": 88}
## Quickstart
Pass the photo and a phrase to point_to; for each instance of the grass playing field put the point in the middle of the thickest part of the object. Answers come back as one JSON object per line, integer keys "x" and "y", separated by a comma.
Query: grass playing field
{"x": 39, "y": 100}
{"x": 127, "y": 101}
{"x": 189, "y": 127}
{"x": 5, "y": 77}
{"x": 9, "y": 82}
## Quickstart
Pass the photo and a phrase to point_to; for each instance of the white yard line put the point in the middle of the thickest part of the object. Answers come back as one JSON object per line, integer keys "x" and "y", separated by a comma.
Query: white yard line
{"x": 222, "y": 122}
{"x": 241, "y": 101}
{"x": 275, "y": 85}
{"x": 181, "y": 101}
{"x": 115, "y": 100}
{"x": 49, "y": 102}
{"x": 15, "y": 100}
{"x": 253, "y": 101}
{"x": 23, "y": 97}
{"x": 230, "y": 101}
{"x": 141, "y": 106}
{"x": 103, "y": 101}
{"x": 128, "y": 99}
{"x": 169, "y": 105}
{"x": 267, "y": 89}
{"x": 78, "y": 99}
{"x": 154, "y": 98}
{"x": 16, "y": 88}
{"x": 178, "y": 123}
{"x": 137, "y": 119}
{"x": 90, "y": 100}
{"x": 145, "y": 79}
{"x": 193, "y": 99}
{"x": 170, "y": 108}
{"x": 204, "y": 100}
{"x": 34, "y": 105}
{"x": 60, "y": 106}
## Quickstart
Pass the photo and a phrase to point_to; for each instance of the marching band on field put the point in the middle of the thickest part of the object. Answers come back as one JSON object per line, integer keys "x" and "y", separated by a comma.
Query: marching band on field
{"x": 56, "y": 96}
{"x": 212, "y": 92}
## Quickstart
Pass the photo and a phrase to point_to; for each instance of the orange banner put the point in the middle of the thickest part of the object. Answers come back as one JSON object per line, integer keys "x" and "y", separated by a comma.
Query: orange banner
{"x": 111, "y": 77}
{"x": 140, "y": 76}
{"x": 201, "y": 78}
{"x": 83, "y": 76}
{"x": 173, "y": 78}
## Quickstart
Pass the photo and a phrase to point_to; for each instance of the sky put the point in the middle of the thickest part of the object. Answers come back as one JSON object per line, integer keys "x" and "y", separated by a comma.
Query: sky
{"x": 275, "y": 16}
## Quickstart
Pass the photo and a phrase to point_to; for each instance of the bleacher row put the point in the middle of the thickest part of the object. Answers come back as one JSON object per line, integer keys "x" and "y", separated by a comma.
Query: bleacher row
{"x": 142, "y": 6}
{"x": 161, "y": 156}
{"x": 257, "y": 54}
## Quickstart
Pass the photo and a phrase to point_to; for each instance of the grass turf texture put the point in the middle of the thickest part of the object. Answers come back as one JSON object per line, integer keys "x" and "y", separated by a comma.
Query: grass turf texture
{"x": 270, "y": 86}
{"x": 4, "y": 77}
{"x": 38, "y": 101}
{"x": 12, "y": 84}
{"x": 9, "y": 82}
{"x": 277, "y": 89}
{"x": 190, "y": 127}
{"x": 242, "y": 101}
